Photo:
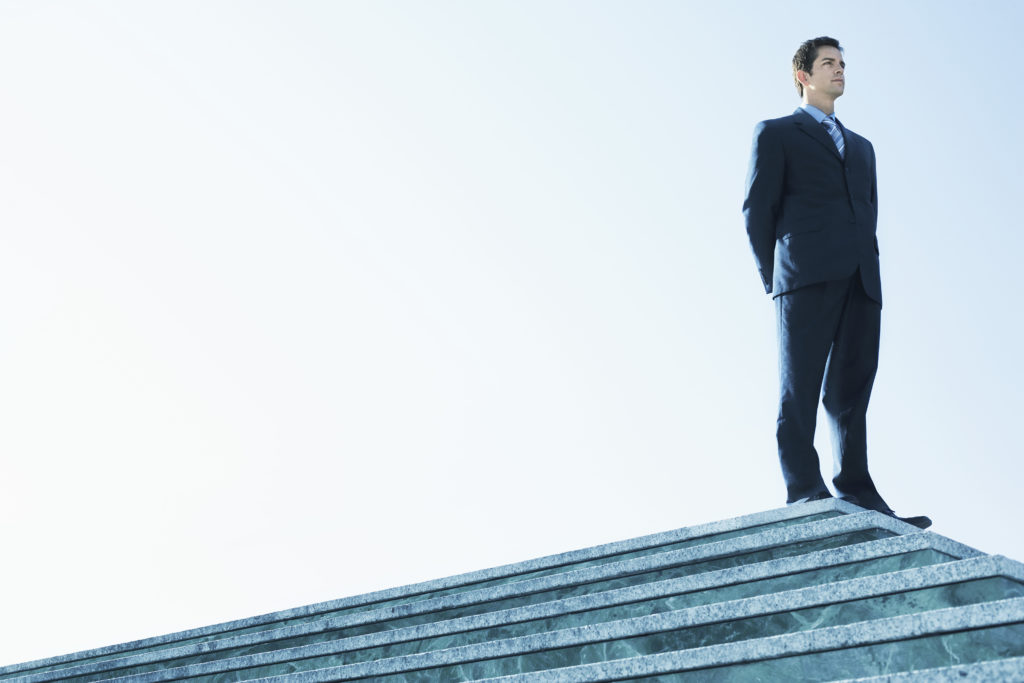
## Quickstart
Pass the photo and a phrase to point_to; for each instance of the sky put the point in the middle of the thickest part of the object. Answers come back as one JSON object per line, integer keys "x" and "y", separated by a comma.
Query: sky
{"x": 306, "y": 299}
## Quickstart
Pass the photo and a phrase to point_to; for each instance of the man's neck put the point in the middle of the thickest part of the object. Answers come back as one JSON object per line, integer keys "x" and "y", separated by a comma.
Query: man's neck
{"x": 828, "y": 106}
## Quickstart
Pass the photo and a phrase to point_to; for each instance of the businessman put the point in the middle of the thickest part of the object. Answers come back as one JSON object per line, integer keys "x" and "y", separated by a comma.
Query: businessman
{"x": 811, "y": 210}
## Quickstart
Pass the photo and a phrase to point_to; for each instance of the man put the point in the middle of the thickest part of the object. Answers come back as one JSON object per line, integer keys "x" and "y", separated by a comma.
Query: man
{"x": 811, "y": 211}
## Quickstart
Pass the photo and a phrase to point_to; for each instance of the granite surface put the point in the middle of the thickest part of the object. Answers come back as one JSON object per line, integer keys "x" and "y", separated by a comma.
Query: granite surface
{"x": 742, "y": 599}
{"x": 825, "y": 508}
{"x": 1005, "y": 670}
{"x": 719, "y": 632}
{"x": 766, "y": 545}
{"x": 625, "y": 603}
{"x": 919, "y": 653}
{"x": 857, "y": 600}
{"x": 927, "y": 651}
{"x": 946, "y": 637}
{"x": 810, "y": 569}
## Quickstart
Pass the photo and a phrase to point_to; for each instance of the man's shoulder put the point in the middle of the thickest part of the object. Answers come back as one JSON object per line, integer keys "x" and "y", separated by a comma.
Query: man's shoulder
{"x": 781, "y": 121}
{"x": 778, "y": 125}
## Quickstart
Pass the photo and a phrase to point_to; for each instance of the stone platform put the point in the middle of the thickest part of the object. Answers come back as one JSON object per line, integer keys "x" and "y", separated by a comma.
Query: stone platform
{"x": 821, "y": 591}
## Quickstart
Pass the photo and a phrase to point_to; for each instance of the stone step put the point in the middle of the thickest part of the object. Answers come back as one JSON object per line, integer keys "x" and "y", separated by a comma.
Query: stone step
{"x": 620, "y": 551}
{"x": 307, "y": 647}
{"x": 974, "y": 634}
{"x": 795, "y": 539}
{"x": 925, "y": 590}
{"x": 1004, "y": 670}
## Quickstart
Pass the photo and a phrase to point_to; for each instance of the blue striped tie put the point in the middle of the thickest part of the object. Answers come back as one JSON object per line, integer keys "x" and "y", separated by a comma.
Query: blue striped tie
{"x": 837, "y": 135}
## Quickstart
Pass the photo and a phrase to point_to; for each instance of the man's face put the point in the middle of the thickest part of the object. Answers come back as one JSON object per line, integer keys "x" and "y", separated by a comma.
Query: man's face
{"x": 828, "y": 76}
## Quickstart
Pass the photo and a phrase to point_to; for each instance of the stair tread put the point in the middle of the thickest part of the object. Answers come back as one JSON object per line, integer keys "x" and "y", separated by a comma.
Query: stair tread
{"x": 698, "y": 589}
{"x": 789, "y": 514}
{"x": 884, "y": 594}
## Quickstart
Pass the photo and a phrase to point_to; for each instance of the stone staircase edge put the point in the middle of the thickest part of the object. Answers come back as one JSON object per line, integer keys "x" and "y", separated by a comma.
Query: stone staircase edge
{"x": 592, "y": 552}
{"x": 777, "y": 537}
{"x": 1006, "y": 670}
{"x": 860, "y": 588}
{"x": 890, "y": 629}
{"x": 870, "y": 550}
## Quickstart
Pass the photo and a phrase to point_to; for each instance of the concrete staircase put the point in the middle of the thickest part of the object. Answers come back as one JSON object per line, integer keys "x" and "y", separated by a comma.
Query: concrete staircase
{"x": 822, "y": 591}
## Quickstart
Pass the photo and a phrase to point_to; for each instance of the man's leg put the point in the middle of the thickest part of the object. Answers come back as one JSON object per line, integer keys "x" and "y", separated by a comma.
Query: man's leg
{"x": 807, "y": 319}
{"x": 848, "y": 380}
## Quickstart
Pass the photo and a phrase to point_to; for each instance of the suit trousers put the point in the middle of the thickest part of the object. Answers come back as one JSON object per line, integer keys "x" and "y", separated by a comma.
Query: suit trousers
{"x": 828, "y": 333}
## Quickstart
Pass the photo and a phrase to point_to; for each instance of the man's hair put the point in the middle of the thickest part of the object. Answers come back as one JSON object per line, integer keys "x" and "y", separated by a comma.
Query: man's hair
{"x": 805, "y": 55}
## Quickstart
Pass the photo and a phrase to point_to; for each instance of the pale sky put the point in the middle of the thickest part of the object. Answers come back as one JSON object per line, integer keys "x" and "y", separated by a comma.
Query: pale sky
{"x": 304, "y": 299}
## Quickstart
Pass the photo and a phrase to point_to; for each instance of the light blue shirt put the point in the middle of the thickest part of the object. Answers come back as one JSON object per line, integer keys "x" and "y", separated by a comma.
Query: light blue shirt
{"x": 818, "y": 114}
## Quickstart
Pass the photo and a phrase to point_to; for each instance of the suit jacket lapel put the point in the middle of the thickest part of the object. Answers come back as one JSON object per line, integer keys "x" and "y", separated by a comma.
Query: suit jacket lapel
{"x": 852, "y": 148}
{"x": 806, "y": 123}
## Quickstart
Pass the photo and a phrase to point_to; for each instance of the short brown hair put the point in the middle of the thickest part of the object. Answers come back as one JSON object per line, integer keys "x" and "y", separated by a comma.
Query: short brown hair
{"x": 805, "y": 55}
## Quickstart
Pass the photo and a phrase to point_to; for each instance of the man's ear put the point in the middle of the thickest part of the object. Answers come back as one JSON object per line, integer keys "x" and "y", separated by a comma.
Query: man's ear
{"x": 803, "y": 77}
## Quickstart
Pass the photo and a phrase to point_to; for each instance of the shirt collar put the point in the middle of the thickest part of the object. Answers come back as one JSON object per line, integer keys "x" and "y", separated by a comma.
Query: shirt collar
{"x": 818, "y": 114}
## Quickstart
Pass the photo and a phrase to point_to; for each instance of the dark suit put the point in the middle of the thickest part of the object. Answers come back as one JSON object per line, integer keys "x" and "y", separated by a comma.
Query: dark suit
{"x": 811, "y": 216}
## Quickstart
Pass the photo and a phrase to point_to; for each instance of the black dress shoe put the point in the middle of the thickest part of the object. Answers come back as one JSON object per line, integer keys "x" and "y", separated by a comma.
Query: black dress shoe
{"x": 921, "y": 522}
{"x": 823, "y": 495}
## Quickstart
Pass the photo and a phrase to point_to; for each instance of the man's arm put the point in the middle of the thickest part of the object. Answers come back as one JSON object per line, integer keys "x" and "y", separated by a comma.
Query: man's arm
{"x": 764, "y": 194}
{"x": 874, "y": 191}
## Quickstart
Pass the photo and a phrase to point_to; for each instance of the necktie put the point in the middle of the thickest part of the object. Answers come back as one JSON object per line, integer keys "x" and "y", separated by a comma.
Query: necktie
{"x": 837, "y": 135}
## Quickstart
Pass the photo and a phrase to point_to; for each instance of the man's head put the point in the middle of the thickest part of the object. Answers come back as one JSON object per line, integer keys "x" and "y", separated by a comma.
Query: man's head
{"x": 818, "y": 66}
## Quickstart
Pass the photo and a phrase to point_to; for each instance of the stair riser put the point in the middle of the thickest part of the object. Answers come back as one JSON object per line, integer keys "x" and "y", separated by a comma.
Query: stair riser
{"x": 971, "y": 633}
{"x": 664, "y": 603}
{"x": 696, "y": 586}
{"x": 973, "y": 592}
{"x": 932, "y": 651}
{"x": 611, "y": 552}
{"x": 1011, "y": 669}
{"x": 772, "y": 544}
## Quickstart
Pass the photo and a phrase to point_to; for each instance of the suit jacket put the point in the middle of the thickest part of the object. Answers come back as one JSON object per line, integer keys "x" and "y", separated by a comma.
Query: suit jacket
{"x": 810, "y": 214}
